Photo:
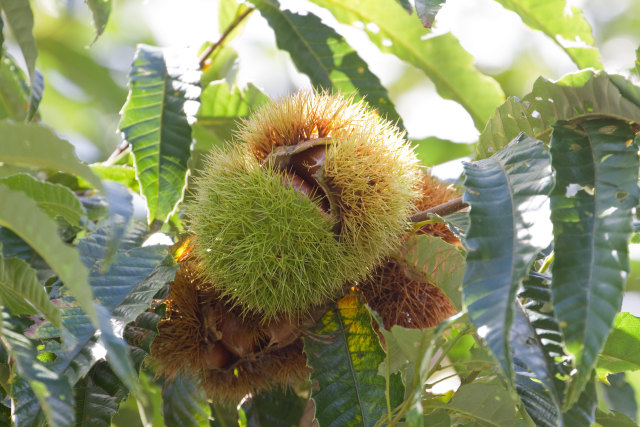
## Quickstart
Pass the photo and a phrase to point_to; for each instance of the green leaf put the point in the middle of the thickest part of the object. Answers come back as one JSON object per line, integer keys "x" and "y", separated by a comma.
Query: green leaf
{"x": 95, "y": 406}
{"x": 591, "y": 209}
{"x": 100, "y": 10}
{"x": 155, "y": 121}
{"x": 14, "y": 92}
{"x": 37, "y": 146}
{"x": 37, "y": 89}
{"x": 20, "y": 19}
{"x": 406, "y": 6}
{"x": 184, "y": 403}
{"x": 22, "y": 215}
{"x": 441, "y": 58}
{"x": 275, "y": 408}
{"x": 620, "y": 350}
{"x": 53, "y": 392}
{"x": 438, "y": 262}
{"x": 434, "y": 151}
{"x": 614, "y": 419}
{"x": 565, "y": 27}
{"x": 55, "y": 200}
{"x": 122, "y": 174}
{"x": 487, "y": 404}
{"x": 583, "y": 412}
{"x": 223, "y": 416}
{"x": 506, "y": 193}
{"x": 619, "y": 395}
{"x": 581, "y": 94}
{"x": 320, "y": 52}
{"x": 19, "y": 284}
{"x": 427, "y": 11}
{"x": 350, "y": 391}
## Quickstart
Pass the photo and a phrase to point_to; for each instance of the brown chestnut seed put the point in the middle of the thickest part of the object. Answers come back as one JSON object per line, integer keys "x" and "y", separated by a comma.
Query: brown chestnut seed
{"x": 216, "y": 355}
{"x": 282, "y": 332}
{"x": 237, "y": 338}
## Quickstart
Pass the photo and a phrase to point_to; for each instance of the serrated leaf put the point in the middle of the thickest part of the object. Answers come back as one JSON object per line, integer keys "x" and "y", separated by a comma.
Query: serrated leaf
{"x": 14, "y": 92}
{"x": 350, "y": 391}
{"x": 100, "y": 10}
{"x": 23, "y": 216}
{"x": 579, "y": 94}
{"x": 94, "y": 406}
{"x": 427, "y": 11}
{"x": 184, "y": 404}
{"x": 320, "y": 52}
{"x": 155, "y": 121}
{"x": 620, "y": 350}
{"x": 506, "y": 193}
{"x": 438, "y": 262}
{"x": 434, "y": 151}
{"x": 20, "y": 19}
{"x": 14, "y": 247}
{"x": 487, "y": 404}
{"x": 441, "y": 58}
{"x": 18, "y": 284}
{"x": 52, "y": 391}
{"x": 55, "y": 200}
{"x": 568, "y": 28}
{"x": 36, "y": 146}
{"x": 591, "y": 209}
{"x": 275, "y": 408}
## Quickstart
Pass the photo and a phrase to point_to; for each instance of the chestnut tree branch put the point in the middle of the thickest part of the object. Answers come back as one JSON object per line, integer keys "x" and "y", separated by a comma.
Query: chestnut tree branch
{"x": 446, "y": 208}
{"x": 208, "y": 51}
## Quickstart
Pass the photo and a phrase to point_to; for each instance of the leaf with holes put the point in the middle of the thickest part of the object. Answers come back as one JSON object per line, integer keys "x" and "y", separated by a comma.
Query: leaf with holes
{"x": 591, "y": 211}
{"x": 350, "y": 393}
{"x": 507, "y": 193}
{"x": 163, "y": 94}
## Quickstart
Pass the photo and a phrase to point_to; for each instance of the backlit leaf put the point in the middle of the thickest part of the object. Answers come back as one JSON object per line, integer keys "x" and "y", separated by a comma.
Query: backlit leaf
{"x": 100, "y": 10}
{"x": 619, "y": 353}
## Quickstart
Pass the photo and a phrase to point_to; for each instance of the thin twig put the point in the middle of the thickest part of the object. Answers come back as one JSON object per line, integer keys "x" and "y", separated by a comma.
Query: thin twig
{"x": 446, "y": 208}
{"x": 205, "y": 55}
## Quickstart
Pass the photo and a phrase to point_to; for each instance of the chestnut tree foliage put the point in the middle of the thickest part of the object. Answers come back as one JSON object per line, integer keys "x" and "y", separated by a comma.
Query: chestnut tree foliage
{"x": 552, "y": 188}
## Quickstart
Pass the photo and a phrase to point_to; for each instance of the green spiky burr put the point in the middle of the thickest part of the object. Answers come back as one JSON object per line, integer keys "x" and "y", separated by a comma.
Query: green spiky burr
{"x": 314, "y": 193}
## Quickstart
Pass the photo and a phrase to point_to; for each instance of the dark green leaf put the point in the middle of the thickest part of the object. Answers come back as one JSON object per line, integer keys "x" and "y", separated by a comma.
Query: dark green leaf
{"x": 184, "y": 403}
{"x": 427, "y": 11}
{"x": 350, "y": 391}
{"x": 619, "y": 395}
{"x": 438, "y": 262}
{"x": 591, "y": 209}
{"x": 506, "y": 193}
{"x": 52, "y": 391}
{"x": 275, "y": 408}
{"x": 583, "y": 413}
{"x": 37, "y": 146}
{"x": 100, "y": 10}
{"x": 579, "y": 94}
{"x": 614, "y": 419}
{"x": 55, "y": 200}
{"x": 441, "y": 58}
{"x": 433, "y": 151}
{"x": 620, "y": 351}
{"x": 406, "y": 6}
{"x": 19, "y": 284}
{"x": 320, "y": 52}
{"x": 223, "y": 416}
{"x": 155, "y": 121}
{"x": 37, "y": 88}
{"x": 14, "y": 247}
{"x": 23, "y": 216}
{"x": 565, "y": 27}
{"x": 94, "y": 405}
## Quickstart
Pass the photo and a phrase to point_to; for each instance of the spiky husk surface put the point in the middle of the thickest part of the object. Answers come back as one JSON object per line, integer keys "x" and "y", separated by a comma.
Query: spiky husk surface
{"x": 195, "y": 321}
{"x": 268, "y": 248}
{"x": 398, "y": 299}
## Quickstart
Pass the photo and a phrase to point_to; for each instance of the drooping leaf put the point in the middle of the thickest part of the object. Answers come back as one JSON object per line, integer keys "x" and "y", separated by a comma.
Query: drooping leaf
{"x": 591, "y": 208}
{"x": 619, "y": 395}
{"x": 320, "y": 52}
{"x": 155, "y": 121}
{"x": 614, "y": 419}
{"x": 620, "y": 350}
{"x": 568, "y": 28}
{"x": 53, "y": 199}
{"x": 14, "y": 92}
{"x": 275, "y": 408}
{"x": 427, "y": 11}
{"x": 37, "y": 89}
{"x": 350, "y": 391}
{"x": 506, "y": 193}
{"x": 441, "y": 58}
{"x": 19, "y": 284}
{"x": 581, "y": 94}
{"x": 486, "y": 404}
{"x": 52, "y": 392}
{"x": 22, "y": 215}
{"x": 406, "y": 6}
{"x": 20, "y": 20}
{"x": 583, "y": 412}
{"x": 439, "y": 262}
{"x": 36, "y": 146}
{"x": 433, "y": 151}
{"x": 100, "y": 10}
{"x": 184, "y": 403}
